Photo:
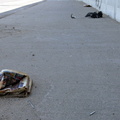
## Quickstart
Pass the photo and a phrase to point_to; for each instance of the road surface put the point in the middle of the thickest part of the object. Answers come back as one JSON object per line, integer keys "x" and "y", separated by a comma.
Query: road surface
{"x": 74, "y": 63}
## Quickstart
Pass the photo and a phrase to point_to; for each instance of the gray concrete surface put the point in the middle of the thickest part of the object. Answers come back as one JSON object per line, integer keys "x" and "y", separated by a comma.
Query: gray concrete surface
{"x": 75, "y": 67}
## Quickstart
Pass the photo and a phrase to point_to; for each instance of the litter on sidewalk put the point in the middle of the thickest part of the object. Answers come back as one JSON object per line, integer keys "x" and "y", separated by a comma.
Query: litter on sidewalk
{"x": 14, "y": 83}
{"x": 92, "y": 113}
{"x": 73, "y": 17}
{"x": 95, "y": 14}
{"x": 87, "y": 5}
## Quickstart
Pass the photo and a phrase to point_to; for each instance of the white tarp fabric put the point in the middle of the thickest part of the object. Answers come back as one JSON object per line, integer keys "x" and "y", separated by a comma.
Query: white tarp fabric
{"x": 6, "y": 5}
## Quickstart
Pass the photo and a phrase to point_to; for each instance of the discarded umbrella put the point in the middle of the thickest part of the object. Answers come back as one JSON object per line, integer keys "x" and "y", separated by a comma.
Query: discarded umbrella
{"x": 95, "y": 14}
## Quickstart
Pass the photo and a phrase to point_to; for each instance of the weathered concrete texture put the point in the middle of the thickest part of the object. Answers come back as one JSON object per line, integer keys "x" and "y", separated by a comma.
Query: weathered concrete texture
{"x": 74, "y": 63}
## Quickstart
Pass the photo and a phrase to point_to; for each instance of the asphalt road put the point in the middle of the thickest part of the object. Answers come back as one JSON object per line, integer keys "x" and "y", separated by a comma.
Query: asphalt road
{"x": 74, "y": 63}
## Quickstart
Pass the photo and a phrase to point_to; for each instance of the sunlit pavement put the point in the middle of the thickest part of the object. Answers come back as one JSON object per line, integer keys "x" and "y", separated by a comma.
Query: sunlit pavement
{"x": 6, "y": 5}
{"x": 74, "y": 63}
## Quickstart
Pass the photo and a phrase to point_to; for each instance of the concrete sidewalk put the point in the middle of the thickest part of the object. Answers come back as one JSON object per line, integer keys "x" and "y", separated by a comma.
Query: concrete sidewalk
{"x": 74, "y": 63}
